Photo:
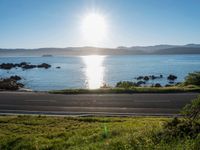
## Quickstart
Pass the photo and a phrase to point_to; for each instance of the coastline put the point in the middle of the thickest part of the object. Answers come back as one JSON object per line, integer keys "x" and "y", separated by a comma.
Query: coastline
{"x": 132, "y": 90}
{"x": 128, "y": 90}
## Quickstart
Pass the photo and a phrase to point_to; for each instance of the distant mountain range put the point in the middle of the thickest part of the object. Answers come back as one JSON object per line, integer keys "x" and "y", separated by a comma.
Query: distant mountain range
{"x": 135, "y": 50}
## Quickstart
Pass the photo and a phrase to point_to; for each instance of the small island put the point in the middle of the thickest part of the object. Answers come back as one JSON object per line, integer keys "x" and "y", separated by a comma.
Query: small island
{"x": 47, "y": 55}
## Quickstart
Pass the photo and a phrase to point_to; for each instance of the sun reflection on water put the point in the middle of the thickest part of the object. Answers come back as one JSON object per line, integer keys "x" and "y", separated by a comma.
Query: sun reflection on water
{"x": 94, "y": 71}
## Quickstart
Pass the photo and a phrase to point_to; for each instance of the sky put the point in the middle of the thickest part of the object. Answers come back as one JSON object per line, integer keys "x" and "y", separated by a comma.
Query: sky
{"x": 57, "y": 23}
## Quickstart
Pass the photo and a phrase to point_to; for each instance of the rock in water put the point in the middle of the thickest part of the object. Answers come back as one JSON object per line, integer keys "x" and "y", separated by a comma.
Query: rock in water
{"x": 7, "y": 66}
{"x": 23, "y": 65}
{"x": 139, "y": 83}
{"x": 146, "y": 78}
{"x": 172, "y": 77}
{"x": 158, "y": 85}
{"x": 10, "y": 84}
{"x": 17, "y": 78}
{"x": 44, "y": 65}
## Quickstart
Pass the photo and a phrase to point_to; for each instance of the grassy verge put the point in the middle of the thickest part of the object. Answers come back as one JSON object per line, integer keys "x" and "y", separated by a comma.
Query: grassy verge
{"x": 42, "y": 132}
{"x": 174, "y": 89}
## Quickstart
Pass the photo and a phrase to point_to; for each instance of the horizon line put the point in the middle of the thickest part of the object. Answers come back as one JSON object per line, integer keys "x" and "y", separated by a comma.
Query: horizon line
{"x": 107, "y": 47}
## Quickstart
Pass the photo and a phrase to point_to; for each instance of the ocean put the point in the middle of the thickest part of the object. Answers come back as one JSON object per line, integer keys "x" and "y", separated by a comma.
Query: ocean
{"x": 93, "y": 71}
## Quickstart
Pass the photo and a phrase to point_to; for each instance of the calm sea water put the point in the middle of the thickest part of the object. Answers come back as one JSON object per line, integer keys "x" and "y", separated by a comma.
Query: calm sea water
{"x": 92, "y": 71}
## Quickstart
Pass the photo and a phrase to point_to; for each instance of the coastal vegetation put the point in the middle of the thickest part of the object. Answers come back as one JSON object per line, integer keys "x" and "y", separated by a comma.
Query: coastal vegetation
{"x": 42, "y": 132}
{"x": 193, "y": 79}
{"x": 109, "y": 133}
{"x": 173, "y": 89}
{"x": 188, "y": 126}
{"x": 191, "y": 84}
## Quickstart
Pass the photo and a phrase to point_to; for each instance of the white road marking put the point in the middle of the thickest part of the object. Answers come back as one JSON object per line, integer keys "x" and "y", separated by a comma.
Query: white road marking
{"x": 39, "y": 100}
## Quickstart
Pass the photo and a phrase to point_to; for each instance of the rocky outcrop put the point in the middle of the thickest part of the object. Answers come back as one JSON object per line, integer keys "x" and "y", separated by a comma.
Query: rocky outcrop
{"x": 151, "y": 77}
{"x": 44, "y": 65}
{"x": 172, "y": 77}
{"x": 146, "y": 78}
{"x": 139, "y": 83}
{"x": 10, "y": 84}
{"x": 171, "y": 82}
{"x": 140, "y": 78}
{"x": 29, "y": 66}
{"x": 7, "y": 66}
{"x": 17, "y": 78}
{"x": 23, "y": 65}
{"x": 157, "y": 85}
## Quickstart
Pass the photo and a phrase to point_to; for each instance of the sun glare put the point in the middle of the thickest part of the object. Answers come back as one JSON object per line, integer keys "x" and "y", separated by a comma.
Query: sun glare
{"x": 94, "y": 71}
{"x": 94, "y": 28}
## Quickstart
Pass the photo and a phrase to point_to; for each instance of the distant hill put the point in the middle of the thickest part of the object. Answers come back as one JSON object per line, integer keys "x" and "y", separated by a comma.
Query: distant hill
{"x": 179, "y": 50}
{"x": 77, "y": 51}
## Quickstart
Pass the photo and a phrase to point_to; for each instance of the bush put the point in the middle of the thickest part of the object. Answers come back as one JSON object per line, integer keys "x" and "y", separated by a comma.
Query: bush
{"x": 193, "y": 79}
{"x": 192, "y": 111}
{"x": 126, "y": 84}
{"x": 187, "y": 127}
{"x": 180, "y": 128}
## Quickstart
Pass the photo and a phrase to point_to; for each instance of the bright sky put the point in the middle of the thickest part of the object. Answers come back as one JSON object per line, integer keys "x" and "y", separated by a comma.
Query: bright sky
{"x": 65, "y": 23}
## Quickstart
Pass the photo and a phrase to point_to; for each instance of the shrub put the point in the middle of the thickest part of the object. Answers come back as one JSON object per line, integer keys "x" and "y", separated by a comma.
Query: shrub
{"x": 187, "y": 127}
{"x": 126, "y": 84}
{"x": 180, "y": 128}
{"x": 193, "y": 78}
{"x": 192, "y": 111}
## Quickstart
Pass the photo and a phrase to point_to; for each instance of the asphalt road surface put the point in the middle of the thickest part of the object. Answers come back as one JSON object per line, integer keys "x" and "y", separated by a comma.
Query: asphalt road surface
{"x": 93, "y": 104}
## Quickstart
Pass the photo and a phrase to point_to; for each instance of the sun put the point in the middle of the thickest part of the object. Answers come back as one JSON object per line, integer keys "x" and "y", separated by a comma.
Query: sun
{"x": 94, "y": 28}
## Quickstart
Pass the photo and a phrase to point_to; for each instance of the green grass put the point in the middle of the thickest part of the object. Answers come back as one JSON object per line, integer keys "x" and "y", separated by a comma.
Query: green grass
{"x": 84, "y": 133}
{"x": 173, "y": 89}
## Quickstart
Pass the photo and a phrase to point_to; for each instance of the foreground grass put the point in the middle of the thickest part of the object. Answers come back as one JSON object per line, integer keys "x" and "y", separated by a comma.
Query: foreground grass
{"x": 104, "y": 133}
{"x": 174, "y": 89}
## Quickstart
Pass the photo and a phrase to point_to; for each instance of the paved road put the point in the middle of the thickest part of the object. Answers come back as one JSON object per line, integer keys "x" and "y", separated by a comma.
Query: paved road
{"x": 93, "y": 104}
